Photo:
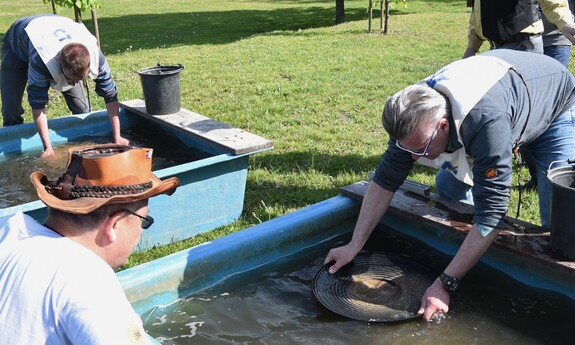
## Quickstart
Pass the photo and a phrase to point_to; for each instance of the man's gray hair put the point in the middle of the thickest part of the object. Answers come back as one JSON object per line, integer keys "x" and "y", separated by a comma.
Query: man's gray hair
{"x": 411, "y": 107}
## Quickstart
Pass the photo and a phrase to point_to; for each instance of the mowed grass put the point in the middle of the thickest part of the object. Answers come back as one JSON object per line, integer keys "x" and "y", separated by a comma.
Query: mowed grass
{"x": 282, "y": 70}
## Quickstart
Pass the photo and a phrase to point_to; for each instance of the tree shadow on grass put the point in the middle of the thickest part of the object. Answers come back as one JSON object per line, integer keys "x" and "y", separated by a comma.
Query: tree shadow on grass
{"x": 304, "y": 163}
{"x": 301, "y": 164}
{"x": 149, "y": 31}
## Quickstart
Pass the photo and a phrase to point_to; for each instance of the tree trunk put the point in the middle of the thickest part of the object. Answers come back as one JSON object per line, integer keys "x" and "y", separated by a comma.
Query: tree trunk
{"x": 369, "y": 15}
{"x": 77, "y": 14}
{"x": 339, "y": 11}
{"x": 54, "y": 7}
{"x": 386, "y": 16}
{"x": 96, "y": 29}
{"x": 381, "y": 15}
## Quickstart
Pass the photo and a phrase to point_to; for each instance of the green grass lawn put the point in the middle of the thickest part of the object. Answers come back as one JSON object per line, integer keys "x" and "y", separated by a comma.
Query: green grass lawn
{"x": 281, "y": 69}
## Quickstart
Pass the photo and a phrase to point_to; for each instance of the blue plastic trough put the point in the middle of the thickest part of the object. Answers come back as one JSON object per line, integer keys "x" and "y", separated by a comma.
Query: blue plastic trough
{"x": 212, "y": 189}
{"x": 162, "y": 281}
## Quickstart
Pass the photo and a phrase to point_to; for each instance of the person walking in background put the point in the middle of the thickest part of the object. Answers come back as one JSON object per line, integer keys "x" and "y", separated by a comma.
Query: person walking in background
{"x": 53, "y": 51}
{"x": 555, "y": 44}
{"x": 515, "y": 24}
{"x": 57, "y": 278}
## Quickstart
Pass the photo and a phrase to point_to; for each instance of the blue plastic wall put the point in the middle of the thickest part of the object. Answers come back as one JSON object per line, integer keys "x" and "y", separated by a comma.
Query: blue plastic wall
{"x": 164, "y": 280}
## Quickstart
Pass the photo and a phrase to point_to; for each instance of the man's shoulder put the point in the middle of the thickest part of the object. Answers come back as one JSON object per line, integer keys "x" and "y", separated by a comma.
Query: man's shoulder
{"x": 19, "y": 226}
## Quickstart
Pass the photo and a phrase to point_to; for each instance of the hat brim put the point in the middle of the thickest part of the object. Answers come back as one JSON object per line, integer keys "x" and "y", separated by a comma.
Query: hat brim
{"x": 374, "y": 287}
{"x": 86, "y": 205}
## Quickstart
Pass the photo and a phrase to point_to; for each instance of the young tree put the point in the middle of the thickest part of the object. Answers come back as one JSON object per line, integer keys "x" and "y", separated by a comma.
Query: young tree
{"x": 79, "y": 6}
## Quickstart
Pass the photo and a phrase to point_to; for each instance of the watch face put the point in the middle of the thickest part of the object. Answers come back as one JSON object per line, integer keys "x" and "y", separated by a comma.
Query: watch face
{"x": 450, "y": 284}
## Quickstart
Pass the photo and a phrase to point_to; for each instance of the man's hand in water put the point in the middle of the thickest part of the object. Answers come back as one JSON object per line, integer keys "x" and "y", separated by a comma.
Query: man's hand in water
{"x": 122, "y": 141}
{"x": 48, "y": 153}
{"x": 340, "y": 257}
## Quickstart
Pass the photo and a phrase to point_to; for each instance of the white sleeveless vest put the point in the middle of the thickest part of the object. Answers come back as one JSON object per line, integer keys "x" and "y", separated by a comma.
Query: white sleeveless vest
{"x": 465, "y": 82}
{"x": 49, "y": 34}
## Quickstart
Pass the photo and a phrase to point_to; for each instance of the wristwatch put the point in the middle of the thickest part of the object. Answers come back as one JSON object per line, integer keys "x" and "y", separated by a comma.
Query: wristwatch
{"x": 450, "y": 284}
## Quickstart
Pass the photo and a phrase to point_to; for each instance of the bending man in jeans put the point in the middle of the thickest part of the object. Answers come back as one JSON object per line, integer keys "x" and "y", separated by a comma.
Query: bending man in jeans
{"x": 52, "y": 51}
{"x": 469, "y": 117}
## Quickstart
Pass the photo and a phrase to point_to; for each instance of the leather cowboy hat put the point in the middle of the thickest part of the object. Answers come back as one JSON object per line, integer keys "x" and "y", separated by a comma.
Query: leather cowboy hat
{"x": 374, "y": 287}
{"x": 102, "y": 175}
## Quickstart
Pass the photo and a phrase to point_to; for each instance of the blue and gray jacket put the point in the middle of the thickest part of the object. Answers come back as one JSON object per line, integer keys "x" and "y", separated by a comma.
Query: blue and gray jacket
{"x": 490, "y": 130}
{"x": 39, "y": 77}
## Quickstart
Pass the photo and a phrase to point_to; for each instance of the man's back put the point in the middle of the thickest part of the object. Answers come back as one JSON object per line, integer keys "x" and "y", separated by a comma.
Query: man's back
{"x": 55, "y": 291}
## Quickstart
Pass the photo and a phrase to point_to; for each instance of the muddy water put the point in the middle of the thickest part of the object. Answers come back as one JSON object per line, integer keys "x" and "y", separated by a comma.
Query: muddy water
{"x": 275, "y": 305}
{"x": 15, "y": 170}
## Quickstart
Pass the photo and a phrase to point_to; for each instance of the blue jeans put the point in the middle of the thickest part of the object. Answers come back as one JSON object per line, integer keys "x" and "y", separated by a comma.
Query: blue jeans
{"x": 559, "y": 53}
{"x": 557, "y": 143}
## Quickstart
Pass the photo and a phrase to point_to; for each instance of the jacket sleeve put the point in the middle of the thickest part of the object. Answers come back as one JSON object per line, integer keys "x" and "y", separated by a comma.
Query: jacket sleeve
{"x": 487, "y": 139}
{"x": 557, "y": 12}
{"x": 393, "y": 168}
{"x": 474, "y": 40}
{"x": 105, "y": 85}
{"x": 38, "y": 82}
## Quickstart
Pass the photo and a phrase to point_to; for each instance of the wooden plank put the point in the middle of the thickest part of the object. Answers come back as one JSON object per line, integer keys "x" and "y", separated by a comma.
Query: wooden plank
{"x": 518, "y": 237}
{"x": 232, "y": 139}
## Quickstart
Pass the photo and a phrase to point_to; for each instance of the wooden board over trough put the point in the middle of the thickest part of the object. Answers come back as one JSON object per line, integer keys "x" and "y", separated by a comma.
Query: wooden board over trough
{"x": 232, "y": 139}
{"x": 519, "y": 238}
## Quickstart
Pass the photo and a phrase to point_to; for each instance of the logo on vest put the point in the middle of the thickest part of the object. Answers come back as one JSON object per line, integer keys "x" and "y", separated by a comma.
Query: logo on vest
{"x": 449, "y": 167}
{"x": 491, "y": 173}
{"x": 436, "y": 78}
{"x": 62, "y": 35}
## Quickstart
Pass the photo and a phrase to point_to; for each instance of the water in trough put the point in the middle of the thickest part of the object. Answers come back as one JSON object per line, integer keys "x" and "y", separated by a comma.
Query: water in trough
{"x": 275, "y": 305}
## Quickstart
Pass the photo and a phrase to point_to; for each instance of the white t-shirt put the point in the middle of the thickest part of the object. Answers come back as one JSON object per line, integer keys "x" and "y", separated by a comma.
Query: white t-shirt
{"x": 55, "y": 291}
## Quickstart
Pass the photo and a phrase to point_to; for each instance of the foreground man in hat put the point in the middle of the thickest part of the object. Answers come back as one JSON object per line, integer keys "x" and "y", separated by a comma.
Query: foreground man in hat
{"x": 57, "y": 279}
{"x": 469, "y": 117}
{"x": 53, "y": 51}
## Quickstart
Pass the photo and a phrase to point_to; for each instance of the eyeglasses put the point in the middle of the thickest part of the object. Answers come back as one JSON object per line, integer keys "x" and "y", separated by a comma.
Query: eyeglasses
{"x": 147, "y": 221}
{"x": 425, "y": 150}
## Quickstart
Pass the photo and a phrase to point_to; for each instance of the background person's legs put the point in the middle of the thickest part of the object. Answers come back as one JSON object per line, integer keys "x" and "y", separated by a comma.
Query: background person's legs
{"x": 559, "y": 53}
{"x": 13, "y": 78}
{"x": 76, "y": 99}
{"x": 450, "y": 187}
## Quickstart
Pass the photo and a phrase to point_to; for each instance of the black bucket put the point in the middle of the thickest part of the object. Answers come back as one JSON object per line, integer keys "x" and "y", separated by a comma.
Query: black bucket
{"x": 562, "y": 212}
{"x": 161, "y": 86}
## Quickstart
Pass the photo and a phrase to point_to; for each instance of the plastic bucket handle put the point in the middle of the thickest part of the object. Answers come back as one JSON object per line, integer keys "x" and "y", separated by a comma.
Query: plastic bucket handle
{"x": 568, "y": 161}
{"x": 174, "y": 69}
{"x": 180, "y": 66}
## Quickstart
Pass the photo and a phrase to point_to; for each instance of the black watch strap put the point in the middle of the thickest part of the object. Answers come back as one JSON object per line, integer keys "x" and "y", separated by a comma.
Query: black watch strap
{"x": 450, "y": 284}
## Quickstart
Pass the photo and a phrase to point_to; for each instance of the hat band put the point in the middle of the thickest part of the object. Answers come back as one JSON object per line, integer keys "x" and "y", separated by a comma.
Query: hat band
{"x": 108, "y": 191}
